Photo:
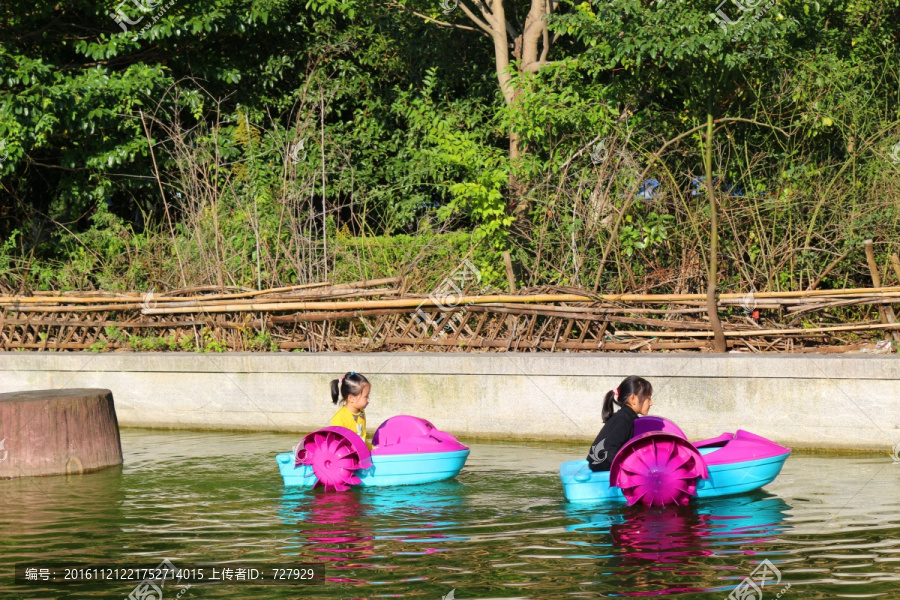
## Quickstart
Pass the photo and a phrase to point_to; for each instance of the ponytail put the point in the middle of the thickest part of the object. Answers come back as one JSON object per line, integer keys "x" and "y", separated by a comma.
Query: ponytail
{"x": 335, "y": 390}
{"x": 608, "y": 405}
{"x": 350, "y": 384}
{"x": 630, "y": 385}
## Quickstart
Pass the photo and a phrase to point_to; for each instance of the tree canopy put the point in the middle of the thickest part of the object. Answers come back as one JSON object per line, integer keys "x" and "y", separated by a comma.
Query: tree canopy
{"x": 170, "y": 142}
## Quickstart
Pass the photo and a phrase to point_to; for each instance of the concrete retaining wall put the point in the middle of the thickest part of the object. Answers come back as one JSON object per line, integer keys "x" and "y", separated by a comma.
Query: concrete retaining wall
{"x": 840, "y": 402}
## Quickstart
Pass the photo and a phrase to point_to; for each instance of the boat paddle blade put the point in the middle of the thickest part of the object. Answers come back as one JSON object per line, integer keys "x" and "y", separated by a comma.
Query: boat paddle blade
{"x": 657, "y": 468}
{"x": 334, "y": 453}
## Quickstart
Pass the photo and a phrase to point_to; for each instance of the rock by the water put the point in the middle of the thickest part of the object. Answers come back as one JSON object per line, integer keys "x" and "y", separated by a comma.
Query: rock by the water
{"x": 58, "y": 432}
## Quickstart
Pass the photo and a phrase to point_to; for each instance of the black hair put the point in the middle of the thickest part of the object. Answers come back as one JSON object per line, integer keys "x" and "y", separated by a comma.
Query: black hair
{"x": 350, "y": 384}
{"x": 630, "y": 385}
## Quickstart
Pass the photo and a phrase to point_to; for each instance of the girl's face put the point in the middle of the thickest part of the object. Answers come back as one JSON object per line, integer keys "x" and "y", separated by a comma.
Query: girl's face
{"x": 359, "y": 401}
{"x": 641, "y": 407}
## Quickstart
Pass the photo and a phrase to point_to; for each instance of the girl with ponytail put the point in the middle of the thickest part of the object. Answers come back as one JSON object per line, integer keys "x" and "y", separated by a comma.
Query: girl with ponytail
{"x": 633, "y": 398}
{"x": 352, "y": 392}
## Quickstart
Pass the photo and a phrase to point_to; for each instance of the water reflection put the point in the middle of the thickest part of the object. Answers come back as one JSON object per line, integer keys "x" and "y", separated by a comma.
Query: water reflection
{"x": 500, "y": 530}
{"x": 345, "y": 530}
{"x": 35, "y": 509}
{"x": 654, "y": 548}
{"x": 418, "y": 503}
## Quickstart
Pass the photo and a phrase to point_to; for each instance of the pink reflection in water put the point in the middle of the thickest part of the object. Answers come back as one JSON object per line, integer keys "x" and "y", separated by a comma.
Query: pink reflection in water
{"x": 667, "y": 591}
{"x": 344, "y": 545}
{"x": 662, "y": 536}
{"x": 668, "y": 539}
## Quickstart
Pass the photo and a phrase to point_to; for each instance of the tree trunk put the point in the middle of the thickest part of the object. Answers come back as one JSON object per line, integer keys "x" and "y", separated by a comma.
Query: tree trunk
{"x": 515, "y": 192}
{"x": 529, "y": 47}
{"x": 711, "y": 305}
{"x": 58, "y": 432}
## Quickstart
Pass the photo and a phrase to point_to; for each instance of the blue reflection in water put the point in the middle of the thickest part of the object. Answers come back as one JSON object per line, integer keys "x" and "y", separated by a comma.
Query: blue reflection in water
{"x": 642, "y": 540}
{"x": 350, "y": 530}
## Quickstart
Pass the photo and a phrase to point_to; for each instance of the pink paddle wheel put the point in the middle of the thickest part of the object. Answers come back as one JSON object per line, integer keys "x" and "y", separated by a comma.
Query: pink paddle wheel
{"x": 657, "y": 468}
{"x": 335, "y": 454}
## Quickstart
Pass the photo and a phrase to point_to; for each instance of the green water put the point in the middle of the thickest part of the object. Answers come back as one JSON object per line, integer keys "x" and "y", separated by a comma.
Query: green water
{"x": 829, "y": 524}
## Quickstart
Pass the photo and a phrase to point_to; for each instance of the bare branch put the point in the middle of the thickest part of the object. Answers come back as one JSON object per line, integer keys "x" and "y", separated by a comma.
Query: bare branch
{"x": 630, "y": 194}
{"x": 485, "y": 5}
{"x": 770, "y": 126}
{"x": 435, "y": 21}
{"x": 486, "y": 23}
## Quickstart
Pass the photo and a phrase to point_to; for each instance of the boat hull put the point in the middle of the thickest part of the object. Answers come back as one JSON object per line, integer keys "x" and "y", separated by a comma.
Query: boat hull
{"x": 580, "y": 484}
{"x": 386, "y": 469}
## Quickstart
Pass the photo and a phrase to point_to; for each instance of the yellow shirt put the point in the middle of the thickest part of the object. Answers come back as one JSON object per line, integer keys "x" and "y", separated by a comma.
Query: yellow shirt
{"x": 356, "y": 423}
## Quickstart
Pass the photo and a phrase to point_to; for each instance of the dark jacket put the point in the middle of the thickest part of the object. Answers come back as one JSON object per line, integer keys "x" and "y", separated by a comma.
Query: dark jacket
{"x": 615, "y": 433}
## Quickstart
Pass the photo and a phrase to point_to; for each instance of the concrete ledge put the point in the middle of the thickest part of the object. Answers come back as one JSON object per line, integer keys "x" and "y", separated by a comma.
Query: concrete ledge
{"x": 838, "y": 402}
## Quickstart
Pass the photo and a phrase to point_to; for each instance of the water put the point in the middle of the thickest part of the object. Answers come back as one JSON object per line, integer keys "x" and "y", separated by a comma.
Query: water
{"x": 830, "y": 524}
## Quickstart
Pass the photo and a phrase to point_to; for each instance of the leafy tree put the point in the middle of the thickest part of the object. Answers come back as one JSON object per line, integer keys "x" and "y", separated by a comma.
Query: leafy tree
{"x": 82, "y": 82}
{"x": 680, "y": 48}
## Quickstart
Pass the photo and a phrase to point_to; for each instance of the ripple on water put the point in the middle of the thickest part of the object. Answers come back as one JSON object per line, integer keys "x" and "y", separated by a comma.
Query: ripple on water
{"x": 829, "y": 524}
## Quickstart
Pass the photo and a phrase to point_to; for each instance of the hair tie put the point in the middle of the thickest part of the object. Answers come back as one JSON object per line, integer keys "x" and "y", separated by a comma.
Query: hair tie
{"x": 353, "y": 372}
{"x": 340, "y": 381}
{"x": 616, "y": 394}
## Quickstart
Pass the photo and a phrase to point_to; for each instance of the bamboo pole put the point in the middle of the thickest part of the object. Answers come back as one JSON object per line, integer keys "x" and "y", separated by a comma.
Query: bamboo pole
{"x": 886, "y": 311}
{"x": 510, "y": 275}
{"x": 91, "y": 299}
{"x": 291, "y": 304}
{"x": 837, "y": 349}
{"x": 198, "y": 306}
{"x": 487, "y": 299}
{"x": 725, "y": 298}
{"x": 763, "y": 332}
{"x": 800, "y": 309}
{"x": 333, "y": 294}
{"x": 361, "y": 304}
{"x": 593, "y": 346}
{"x": 598, "y": 310}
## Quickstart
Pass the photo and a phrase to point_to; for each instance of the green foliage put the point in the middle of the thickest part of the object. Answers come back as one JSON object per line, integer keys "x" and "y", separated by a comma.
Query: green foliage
{"x": 209, "y": 343}
{"x": 634, "y": 235}
{"x": 75, "y": 100}
{"x": 450, "y": 138}
{"x": 405, "y": 149}
{"x": 434, "y": 254}
{"x": 262, "y": 340}
{"x": 8, "y": 254}
{"x": 149, "y": 343}
{"x": 114, "y": 333}
{"x": 556, "y": 113}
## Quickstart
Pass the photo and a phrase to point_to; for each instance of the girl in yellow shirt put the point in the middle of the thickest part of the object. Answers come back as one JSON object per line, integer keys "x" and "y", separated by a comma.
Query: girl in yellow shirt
{"x": 352, "y": 392}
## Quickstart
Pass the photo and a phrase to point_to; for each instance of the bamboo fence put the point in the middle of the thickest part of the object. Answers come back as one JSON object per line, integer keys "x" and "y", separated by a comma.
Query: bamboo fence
{"x": 377, "y": 315}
